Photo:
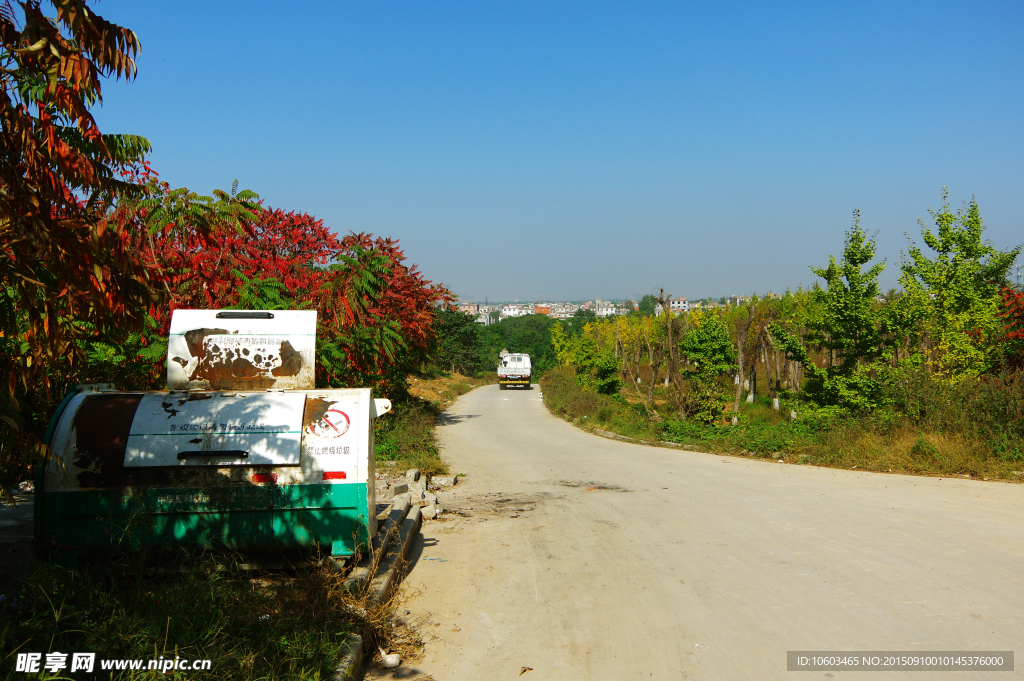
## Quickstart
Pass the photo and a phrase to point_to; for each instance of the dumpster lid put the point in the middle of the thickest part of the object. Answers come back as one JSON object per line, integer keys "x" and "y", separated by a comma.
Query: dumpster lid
{"x": 216, "y": 429}
{"x": 241, "y": 349}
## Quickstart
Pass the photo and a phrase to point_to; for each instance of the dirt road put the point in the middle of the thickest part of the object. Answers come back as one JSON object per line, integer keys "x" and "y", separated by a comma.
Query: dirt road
{"x": 586, "y": 558}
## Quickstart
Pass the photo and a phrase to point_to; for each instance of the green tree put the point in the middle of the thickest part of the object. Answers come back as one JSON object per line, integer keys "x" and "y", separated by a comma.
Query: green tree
{"x": 848, "y": 325}
{"x": 605, "y": 374}
{"x": 458, "y": 341}
{"x": 708, "y": 349}
{"x": 580, "y": 318}
{"x": 709, "y": 352}
{"x": 530, "y": 335}
{"x": 597, "y": 370}
{"x": 957, "y": 290}
{"x": 647, "y": 305}
{"x": 844, "y": 321}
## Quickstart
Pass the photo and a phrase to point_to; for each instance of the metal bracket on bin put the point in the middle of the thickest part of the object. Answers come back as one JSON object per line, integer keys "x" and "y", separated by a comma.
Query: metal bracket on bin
{"x": 380, "y": 407}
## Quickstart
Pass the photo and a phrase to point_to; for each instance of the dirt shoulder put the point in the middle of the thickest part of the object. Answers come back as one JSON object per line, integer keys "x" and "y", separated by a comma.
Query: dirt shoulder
{"x": 442, "y": 391}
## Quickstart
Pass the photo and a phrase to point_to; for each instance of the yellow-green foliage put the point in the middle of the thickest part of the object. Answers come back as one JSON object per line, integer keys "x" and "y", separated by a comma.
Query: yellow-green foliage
{"x": 955, "y": 292}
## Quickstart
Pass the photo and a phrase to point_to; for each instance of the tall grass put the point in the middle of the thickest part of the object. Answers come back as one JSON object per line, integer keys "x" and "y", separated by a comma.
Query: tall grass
{"x": 565, "y": 398}
{"x": 972, "y": 428}
{"x": 251, "y": 626}
{"x": 406, "y": 436}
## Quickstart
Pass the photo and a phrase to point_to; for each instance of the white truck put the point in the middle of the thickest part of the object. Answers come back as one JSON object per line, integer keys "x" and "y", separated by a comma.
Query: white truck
{"x": 514, "y": 369}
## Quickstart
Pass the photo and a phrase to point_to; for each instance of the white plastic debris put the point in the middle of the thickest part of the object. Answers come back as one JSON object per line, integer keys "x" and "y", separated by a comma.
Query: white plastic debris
{"x": 390, "y": 661}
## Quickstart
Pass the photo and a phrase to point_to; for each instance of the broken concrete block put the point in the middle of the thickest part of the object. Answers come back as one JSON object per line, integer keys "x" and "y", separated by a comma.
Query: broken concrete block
{"x": 445, "y": 480}
{"x": 396, "y": 490}
{"x": 429, "y": 512}
{"x": 430, "y": 498}
{"x": 413, "y": 474}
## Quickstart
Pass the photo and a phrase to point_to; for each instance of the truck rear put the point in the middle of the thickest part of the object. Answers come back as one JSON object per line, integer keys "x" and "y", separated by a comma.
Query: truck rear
{"x": 514, "y": 370}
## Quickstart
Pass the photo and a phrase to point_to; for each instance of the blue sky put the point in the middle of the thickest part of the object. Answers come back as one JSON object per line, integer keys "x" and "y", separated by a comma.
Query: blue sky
{"x": 573, "y": 150}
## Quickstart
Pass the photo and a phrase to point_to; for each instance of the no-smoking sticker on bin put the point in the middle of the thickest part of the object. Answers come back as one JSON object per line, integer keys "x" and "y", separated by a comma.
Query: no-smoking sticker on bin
{"x": 334, "y": 423}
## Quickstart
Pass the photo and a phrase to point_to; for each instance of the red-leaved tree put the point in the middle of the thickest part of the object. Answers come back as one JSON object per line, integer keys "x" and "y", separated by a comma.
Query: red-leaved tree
{"x": 374, "y": 311}
{"x": 65, "y": 274}
{"x": 1012, "y": 313}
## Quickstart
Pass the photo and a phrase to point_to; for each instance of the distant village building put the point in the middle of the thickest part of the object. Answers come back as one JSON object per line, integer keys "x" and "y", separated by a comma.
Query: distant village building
{"x": 738, "y": 300}
{"x": 542, "y": 308}
{"x": 602, "y": 308}
{"x": 678, "y": 305}
{"x": 470, "y": 308}
{"x": 516, "y": 310}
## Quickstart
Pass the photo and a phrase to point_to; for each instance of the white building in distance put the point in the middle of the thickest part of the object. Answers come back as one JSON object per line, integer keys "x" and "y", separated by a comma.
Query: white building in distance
{"x": 678, "y": 305}
{"x": 602, "y": 308}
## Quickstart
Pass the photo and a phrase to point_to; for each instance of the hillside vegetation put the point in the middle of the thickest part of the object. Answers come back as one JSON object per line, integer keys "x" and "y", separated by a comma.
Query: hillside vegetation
{"x": 924, "y": 379}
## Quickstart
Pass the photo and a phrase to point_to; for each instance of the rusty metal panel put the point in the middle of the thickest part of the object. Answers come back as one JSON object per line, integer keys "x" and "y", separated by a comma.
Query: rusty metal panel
{"x": 241, "y": 350}
{"x": 216, "y": 429}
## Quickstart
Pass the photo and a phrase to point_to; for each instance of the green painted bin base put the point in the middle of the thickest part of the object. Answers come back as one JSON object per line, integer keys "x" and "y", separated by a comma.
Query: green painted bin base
{"x": 244, "y": 517}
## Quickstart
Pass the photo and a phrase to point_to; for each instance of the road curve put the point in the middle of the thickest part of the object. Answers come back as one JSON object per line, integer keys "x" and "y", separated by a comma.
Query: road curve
{"x": 630, "y": 561}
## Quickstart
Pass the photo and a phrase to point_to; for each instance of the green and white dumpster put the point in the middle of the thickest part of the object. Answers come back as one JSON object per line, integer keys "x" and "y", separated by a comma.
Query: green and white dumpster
{"x": 272, "y": 469}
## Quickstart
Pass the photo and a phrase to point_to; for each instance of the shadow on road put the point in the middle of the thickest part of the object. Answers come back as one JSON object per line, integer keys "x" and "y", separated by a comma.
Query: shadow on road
{"x": 446, "y": 419}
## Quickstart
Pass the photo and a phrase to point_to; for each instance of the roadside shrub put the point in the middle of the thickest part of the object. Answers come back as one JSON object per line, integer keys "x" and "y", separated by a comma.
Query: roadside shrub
{"x": 406, "y": 436}
{"x": 703, "y": 401}
{"x": 606, "y": 379}
{"x": 753, "y": 437}
{"x": 989, "y": 408}
{"x": 564, "y": 396}
{"x": 969, "y": 428}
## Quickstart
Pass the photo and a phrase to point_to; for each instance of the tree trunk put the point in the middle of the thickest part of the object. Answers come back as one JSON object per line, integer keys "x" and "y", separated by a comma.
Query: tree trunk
{"x": 639, "y": 350}
{"x": 742, "y": 327}
{"x": 672, "y": 350}
{"x": 654, "y": 353}
{"x": 753, "y": 382}
{"x": 773, "y": 375}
